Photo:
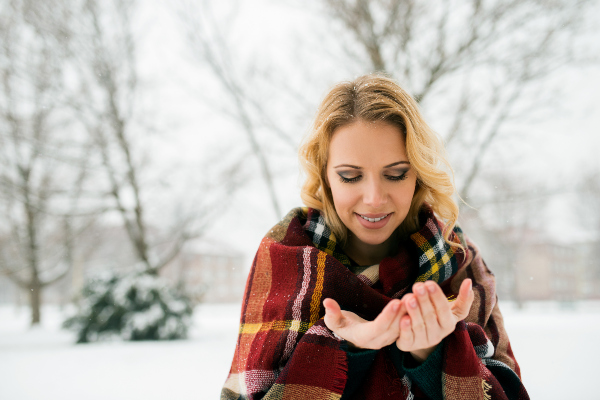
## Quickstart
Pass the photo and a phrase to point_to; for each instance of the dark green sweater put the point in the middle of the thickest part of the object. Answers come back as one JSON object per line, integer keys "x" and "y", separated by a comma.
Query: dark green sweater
{"x": 427, "y": 376}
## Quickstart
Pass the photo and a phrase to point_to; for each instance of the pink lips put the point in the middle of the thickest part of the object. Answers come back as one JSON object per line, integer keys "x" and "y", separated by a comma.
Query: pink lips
{"x": 373, "y": 225}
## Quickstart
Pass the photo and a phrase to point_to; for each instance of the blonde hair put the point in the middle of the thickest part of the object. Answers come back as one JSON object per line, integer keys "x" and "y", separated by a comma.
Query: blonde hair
{"x": 372, "y": 98}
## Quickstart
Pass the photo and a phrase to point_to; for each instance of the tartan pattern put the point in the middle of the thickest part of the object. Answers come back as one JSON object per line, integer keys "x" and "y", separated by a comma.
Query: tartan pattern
{"x": 285, "y": 351}
{"x": 436, "y": 257}
{"x": 322, "y": 237}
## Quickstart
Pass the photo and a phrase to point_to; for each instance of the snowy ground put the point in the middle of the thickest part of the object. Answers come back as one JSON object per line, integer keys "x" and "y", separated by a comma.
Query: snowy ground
{"x": 557, "y": 348}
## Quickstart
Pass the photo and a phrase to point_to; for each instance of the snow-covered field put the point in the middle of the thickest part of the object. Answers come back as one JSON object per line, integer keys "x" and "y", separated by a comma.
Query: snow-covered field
{"x": 558, "y": 350}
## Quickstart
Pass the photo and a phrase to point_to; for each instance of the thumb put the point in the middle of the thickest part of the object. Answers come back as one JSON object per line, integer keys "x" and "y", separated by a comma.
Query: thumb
{"x": 333, "y": 314}
{"x": 462, "y": 305}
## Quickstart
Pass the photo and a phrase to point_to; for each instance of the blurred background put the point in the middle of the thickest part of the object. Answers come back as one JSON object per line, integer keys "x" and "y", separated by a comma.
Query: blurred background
{"x": 147, "y": 146}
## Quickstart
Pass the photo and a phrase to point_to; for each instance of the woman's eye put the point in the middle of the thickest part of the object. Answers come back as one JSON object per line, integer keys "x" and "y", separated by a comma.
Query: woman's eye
{"x": 350, "y": 180}
{"x": 397, "y": 177}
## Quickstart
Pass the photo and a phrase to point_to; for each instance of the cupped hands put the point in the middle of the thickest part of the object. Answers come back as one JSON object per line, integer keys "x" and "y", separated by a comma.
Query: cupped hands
{"x": 417, "y": 323}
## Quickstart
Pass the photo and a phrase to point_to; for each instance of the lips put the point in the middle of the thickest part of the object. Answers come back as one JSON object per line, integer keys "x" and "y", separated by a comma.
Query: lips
{"x": 373, "y": 217}
{"x": 373, "y": 221}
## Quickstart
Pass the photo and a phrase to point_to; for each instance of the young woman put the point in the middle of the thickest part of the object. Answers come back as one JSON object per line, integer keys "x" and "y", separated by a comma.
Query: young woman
{"x": 372, "y": 291}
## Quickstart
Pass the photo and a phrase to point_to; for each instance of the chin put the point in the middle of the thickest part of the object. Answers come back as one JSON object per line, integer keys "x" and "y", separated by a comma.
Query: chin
{"x": 372, "y": 239}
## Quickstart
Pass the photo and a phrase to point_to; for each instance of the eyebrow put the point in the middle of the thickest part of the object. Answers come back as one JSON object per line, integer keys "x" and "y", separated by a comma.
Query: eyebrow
{"x": 387, "y": 166}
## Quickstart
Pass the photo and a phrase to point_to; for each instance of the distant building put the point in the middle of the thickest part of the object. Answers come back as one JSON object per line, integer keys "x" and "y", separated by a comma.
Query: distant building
{"x": 529, "y": 266}
{"x": 209, "y": 271}
{"x": 546, "y": 271}
{"x": 588, "y": 282}
{"x": 553, "y": 271}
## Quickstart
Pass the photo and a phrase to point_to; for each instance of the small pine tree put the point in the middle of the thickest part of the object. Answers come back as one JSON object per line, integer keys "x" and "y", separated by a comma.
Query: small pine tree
{"x": 134, "y": 306}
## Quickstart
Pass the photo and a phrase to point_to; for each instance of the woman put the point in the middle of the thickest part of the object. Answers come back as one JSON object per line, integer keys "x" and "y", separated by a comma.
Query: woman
{"x": 372, "y": 292}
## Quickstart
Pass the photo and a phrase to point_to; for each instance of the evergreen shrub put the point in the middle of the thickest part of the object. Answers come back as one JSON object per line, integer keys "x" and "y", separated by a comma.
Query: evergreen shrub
{"x": 133, "y": 306}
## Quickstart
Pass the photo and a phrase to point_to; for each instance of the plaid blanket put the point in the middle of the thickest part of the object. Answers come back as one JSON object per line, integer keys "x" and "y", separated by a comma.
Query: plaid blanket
{"x": 285, "y": 351}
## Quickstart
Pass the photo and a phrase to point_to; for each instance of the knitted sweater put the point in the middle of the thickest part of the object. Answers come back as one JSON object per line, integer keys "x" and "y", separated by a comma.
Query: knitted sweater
{"x": 427, "y": 376}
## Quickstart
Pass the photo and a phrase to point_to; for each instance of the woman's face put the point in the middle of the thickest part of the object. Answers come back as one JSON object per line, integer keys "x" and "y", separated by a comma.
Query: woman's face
{"x": 371, "y": 180}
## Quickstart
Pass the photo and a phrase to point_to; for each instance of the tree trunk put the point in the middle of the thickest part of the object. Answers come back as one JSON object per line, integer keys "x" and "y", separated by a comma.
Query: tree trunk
{"x": 35, "y": 290}
{"x": 32, "y": 226}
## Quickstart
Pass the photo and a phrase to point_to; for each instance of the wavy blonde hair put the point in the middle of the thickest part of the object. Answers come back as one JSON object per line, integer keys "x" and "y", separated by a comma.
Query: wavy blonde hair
{"x": 372, "y": 98}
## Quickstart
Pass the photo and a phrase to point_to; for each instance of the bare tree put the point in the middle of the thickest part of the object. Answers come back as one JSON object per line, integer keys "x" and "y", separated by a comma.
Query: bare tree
{"x": 107, "y": 102}
{"x": 44, "y": 161}
{"x": 209, "y": 38}
{"x": 483, "y": 63}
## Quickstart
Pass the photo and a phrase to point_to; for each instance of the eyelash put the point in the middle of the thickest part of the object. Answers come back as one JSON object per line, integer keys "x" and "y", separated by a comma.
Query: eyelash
{"x": 350, "y": 180}
{"x": 389, "y": 177}
{"x": 397, "y": 178}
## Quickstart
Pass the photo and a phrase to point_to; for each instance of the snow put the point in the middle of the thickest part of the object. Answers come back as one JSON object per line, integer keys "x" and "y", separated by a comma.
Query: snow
{"x": 554, "y": 345}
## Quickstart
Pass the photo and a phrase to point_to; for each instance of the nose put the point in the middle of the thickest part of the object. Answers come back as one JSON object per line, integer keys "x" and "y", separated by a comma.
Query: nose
{"x": 375, "y": 194}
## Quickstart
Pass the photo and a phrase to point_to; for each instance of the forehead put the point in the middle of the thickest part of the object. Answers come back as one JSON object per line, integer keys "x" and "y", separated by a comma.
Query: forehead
{"x": 365, "y": 144}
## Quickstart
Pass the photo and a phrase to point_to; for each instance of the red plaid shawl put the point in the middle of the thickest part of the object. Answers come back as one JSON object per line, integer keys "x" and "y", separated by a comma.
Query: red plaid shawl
{"x": 285, "y": 351}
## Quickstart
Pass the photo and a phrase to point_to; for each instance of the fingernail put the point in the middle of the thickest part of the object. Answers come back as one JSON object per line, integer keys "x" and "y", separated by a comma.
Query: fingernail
{"x": 413, "y": 303}
{"x": 395, "y": 306}
{"x": 421, "y": 290}
{"x": 431, "y": 288}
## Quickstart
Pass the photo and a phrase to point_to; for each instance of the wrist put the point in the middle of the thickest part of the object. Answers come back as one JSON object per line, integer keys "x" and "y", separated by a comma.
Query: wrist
{"x": 421, "y": 355}
{"x": 351, "y": 347}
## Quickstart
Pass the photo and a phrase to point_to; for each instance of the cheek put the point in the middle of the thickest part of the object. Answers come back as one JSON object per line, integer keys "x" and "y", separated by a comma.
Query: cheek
{"x": 404, "y": 197}
{"x": 343, "y": 196}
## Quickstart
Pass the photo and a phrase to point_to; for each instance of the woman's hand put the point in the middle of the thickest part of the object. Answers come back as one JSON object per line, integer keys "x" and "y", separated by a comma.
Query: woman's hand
{"x": 381, "y": 332}
{"x": 431, "y": 317}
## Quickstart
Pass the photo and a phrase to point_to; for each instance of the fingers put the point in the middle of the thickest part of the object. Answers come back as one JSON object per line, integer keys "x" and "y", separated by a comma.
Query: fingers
{"x": 388, "y": 315}
{"x": 375, "y": 334}
{"x": 442, "y": 306}
{"x": 461, "y": 306}
{"x": 419, "y": 329}
{"x": 428, "y": 312}
{"x": 333, "y": 314}
{"x": 384, "y": 329}
{"x": 406, "y": 340}
{"x": 430, "y": 317}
